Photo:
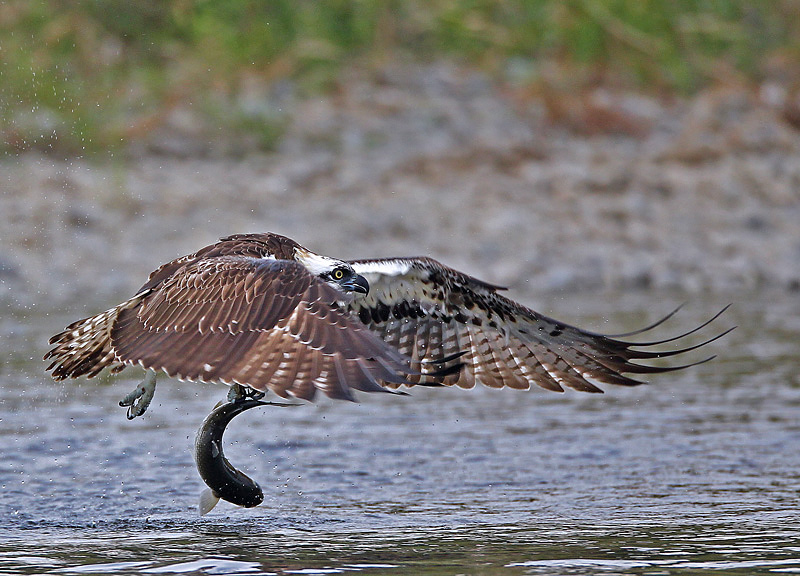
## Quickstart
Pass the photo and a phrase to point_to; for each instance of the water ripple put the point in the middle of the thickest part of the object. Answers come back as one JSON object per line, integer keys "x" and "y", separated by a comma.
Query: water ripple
{"x": 689, "y": 475}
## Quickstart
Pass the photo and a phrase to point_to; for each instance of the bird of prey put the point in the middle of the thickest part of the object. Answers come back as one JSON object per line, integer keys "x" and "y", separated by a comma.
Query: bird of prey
{"x": 260, "y": 312}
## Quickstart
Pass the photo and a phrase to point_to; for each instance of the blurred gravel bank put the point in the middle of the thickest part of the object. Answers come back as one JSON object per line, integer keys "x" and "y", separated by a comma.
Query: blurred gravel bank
{"x": 626, "y": 193}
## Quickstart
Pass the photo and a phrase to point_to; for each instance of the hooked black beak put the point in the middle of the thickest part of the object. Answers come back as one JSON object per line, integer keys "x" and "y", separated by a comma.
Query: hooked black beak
{"x": 356, "y": 283}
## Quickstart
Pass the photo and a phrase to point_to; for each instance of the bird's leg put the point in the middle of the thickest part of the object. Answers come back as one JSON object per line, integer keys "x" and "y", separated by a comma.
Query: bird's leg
{"x": 238, "y": 393}
{"x": 140, "y": 397}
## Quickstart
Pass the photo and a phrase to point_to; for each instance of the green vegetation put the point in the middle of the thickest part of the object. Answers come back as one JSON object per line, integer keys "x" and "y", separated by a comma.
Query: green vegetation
{"x": 86, "y": 75}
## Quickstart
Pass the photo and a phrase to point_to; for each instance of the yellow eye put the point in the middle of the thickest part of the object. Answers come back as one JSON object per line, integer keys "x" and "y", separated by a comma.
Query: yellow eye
{"x": 337, "y": 274}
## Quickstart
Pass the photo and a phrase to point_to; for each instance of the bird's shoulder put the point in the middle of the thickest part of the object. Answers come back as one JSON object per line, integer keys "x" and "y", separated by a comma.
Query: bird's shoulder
{"x": 257, "y": 245}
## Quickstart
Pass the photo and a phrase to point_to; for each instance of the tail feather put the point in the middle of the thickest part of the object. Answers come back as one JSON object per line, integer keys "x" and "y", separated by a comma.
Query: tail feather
{"x": 84, "y": 348}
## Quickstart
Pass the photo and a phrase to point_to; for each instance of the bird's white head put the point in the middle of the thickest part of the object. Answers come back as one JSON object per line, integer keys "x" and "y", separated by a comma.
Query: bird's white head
{"x": 337, "y": 273}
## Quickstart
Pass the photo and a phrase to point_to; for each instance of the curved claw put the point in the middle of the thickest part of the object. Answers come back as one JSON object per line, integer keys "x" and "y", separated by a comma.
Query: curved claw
{"x": 237, "y": 392}
{"x": 138, "y": 399}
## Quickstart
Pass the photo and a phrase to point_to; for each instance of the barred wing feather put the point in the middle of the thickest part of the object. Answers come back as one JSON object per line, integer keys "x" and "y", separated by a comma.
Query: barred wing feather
{"x": 266, "y": 324}
{"x": 428, "y": 311}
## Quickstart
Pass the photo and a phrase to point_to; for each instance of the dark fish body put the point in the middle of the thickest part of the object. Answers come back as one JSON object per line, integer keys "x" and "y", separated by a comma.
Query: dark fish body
{"x": 224, "y": 481}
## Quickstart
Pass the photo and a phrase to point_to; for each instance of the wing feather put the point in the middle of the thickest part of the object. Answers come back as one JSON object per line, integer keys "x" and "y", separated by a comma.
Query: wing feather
{"x": 243, "y": 311}
{"x": 482, "y": 360}
{"x": 429, "y": 311}
{"x": 507, "y": 366}
{"x": 533, "y": 370}
{"x": 263, "y": 323}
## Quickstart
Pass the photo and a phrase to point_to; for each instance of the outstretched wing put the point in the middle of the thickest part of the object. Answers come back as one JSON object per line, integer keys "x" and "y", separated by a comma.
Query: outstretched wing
{"x": 257, "y": 322}
{"x": 429, "y": 312}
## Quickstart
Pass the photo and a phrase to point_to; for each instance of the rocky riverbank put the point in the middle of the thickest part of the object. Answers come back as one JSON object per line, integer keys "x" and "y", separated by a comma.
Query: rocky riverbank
{"x": 622, "y": 193}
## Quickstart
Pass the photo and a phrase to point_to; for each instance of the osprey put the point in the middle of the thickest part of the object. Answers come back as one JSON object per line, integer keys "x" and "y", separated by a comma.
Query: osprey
{"x": 260, "y": 312}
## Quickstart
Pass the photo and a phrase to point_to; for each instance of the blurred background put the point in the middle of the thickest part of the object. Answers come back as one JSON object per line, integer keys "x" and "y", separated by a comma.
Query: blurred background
{"x": 572, "y": 145}
{"x": 604, "y": 159}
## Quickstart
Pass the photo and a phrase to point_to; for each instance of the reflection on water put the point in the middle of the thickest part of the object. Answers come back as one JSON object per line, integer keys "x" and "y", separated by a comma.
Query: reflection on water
{"x": 544, "y": 549}
{"x": 697, "y": 473}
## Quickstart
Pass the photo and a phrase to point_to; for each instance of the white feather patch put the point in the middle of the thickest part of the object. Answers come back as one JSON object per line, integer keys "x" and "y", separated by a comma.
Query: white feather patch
{"x": 394, "y": 267}
{"x": 316, "y": 264}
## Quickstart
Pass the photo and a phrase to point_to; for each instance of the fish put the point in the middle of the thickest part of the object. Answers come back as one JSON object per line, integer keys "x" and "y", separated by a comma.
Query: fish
{"x": 224, "y": 481}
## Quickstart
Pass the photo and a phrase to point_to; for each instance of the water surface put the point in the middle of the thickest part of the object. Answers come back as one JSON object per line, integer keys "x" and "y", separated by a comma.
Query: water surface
{"x": 697, "y": 473}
